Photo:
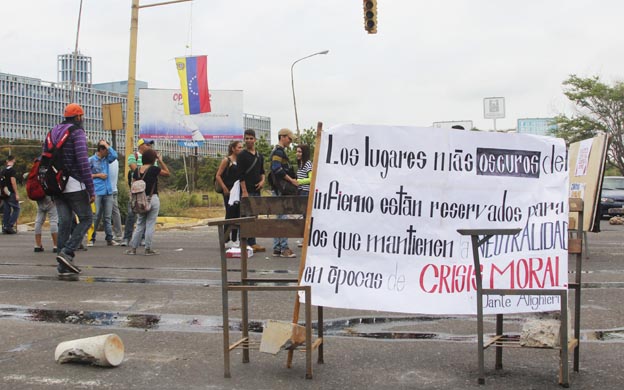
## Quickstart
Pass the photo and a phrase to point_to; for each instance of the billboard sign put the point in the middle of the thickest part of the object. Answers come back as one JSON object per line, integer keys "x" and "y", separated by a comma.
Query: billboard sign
{"x": 539, "y": 126}
{"x": 162, "y": 116}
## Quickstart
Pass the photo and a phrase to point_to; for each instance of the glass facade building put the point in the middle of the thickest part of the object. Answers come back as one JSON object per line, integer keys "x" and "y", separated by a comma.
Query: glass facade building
{"x": 30, "y": 107}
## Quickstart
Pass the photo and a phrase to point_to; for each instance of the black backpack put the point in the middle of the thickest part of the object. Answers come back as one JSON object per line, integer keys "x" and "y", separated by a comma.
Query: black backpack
{"x": 53, "y": 175}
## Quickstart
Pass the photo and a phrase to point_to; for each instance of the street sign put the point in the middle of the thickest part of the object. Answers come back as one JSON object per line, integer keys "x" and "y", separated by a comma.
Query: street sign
{"x": 112, "y": 116}
{"x": 494, "y": 107}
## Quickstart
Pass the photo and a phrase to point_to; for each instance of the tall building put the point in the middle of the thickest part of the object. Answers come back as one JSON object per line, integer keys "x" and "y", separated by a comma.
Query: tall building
{"x": 66, "y": 70}
{"x": 30, "y": 107}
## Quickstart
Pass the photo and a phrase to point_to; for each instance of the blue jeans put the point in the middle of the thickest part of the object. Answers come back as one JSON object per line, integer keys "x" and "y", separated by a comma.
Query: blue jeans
{"x": 130, "y": 221}
{"x": 66, "y": 205}
{"x": 252, "y": 240}
{"x": 280, "y": 243}
{"x": 116, "y": 217}
{"x": 103, "y": 209}
{"x": 11, "y": 212}
{"x": 146, "y": 224}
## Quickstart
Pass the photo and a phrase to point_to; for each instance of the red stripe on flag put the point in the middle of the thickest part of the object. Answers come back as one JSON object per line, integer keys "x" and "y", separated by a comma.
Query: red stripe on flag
{"x": 202, "y": 84}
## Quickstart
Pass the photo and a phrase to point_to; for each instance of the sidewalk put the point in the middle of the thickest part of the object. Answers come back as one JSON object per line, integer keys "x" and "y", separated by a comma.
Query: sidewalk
{"x": 167, "y": 310}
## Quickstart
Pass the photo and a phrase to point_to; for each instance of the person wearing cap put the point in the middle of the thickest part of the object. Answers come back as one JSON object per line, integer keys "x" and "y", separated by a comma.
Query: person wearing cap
{"x": 100, "y": 170}
{"x": 281, "y": 170}
{"x": 79, "y": 191}
{"x": 134, "y": 160}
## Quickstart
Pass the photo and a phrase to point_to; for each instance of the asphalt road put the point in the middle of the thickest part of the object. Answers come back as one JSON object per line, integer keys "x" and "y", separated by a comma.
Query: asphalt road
{"x": 167, "y": 311}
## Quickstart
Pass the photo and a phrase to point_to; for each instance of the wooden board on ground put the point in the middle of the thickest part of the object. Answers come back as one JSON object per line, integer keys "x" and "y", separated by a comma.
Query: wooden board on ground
{"x": 278, "y": 335}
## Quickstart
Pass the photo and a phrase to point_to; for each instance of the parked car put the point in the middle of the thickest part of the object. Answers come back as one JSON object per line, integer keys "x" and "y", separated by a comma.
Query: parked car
{"x": 612, "y": 195}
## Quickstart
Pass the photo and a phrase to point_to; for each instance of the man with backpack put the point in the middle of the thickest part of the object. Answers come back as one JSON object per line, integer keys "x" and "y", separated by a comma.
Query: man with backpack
{"x": 77, "y": 189}
{"x": 10, "y": 197}
{"x": 281, "y": 171}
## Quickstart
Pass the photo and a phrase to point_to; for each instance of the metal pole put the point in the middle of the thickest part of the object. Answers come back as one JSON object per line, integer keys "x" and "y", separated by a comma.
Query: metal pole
{"x": 134, "y": 30}
{"x": 292, "y": 83}
{"x": 494, "y": 124}
{"x": 74, "y": 65}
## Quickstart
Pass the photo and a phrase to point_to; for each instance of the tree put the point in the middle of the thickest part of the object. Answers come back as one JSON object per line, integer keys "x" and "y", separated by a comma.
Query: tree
{"x": 600, "y": 107}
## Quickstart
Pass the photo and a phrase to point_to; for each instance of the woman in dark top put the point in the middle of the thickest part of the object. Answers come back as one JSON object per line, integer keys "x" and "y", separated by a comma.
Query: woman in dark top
{"x": 228, "y": 177}
{"x": 147, "y": 222}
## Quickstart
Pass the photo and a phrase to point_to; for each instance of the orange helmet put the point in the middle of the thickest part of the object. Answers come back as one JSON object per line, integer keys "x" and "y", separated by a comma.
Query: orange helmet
{"x": 72, "y": 110}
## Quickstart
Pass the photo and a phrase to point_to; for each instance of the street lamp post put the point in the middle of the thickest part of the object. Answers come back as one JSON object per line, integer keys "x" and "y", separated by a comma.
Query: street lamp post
{"x": 292, "y": 82}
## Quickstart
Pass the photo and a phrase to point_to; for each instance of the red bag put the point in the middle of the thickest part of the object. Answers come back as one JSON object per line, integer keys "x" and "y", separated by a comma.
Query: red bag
{"x": 33, "y": 185}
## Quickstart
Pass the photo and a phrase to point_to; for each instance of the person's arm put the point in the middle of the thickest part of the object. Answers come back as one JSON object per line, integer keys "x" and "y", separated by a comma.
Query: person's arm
{"x": 112, "y": 154}
{"x": 132, "y": 162}
{"x": 278, "y": 169}
{"x": 224, "y": 164}
{"x": 260, "y": 184}
{"x": 82, "y": 159}
{"x": 164, "y": 170}
{"x": 244, "y": 192}
{"x": 14, "y": 184}
{"x": 92, "y": 166}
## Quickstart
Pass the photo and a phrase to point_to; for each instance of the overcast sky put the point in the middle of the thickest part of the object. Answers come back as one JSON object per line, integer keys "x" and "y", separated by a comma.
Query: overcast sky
{"x": 431, "y": 60}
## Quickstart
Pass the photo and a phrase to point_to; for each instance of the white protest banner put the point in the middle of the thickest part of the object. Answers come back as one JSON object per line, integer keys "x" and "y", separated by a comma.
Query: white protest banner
{"x": 388, "y": 203}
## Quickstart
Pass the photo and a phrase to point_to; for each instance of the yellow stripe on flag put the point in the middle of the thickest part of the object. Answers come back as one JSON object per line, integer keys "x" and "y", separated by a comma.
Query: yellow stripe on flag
{"x": 181, "y": 66}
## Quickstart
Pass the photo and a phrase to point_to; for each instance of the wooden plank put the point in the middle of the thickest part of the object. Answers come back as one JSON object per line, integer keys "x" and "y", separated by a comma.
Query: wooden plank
{"x": 278, "y": 335}
{"x": 239, "y": 342}
{"x": 290, "y": 228}
{"x": 575, "y": 245}
{"x": 571, "y": 223}
{"x": 576, "y": 204}
{"x": 493, "y": 340}
{"x": 273, "y": 205}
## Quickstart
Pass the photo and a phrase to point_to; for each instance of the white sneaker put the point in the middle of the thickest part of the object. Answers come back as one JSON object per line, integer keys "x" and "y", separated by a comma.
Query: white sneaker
{"x": 90, "y": 243}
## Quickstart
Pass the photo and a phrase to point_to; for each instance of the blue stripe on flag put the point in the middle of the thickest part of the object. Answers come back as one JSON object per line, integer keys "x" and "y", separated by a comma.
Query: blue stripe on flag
{"x": 193, "y": 88}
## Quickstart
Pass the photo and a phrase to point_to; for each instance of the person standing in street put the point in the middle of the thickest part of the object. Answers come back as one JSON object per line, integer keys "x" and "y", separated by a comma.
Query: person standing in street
{"x": 304, "y": 173}
{"x": 146, "y": 224}
{"x": 251, "y": 167}
{"x": 281, "y": 170}
{"x": 113, "y": 177}
{"x": 228, "y": 177}
{"x": 99, "y": 164}
{"x": 79, "y": 192}
{"x": 11, "y": 202}
{"x": 46, "y": 207}
{"x": 134, "y": 160}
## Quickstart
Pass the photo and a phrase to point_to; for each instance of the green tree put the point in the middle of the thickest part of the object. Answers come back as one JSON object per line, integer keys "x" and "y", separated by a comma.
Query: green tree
{"x": 600, "y": 107}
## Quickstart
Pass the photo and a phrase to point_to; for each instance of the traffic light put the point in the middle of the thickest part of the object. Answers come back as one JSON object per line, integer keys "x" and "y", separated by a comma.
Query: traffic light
{"x": 370, "y": 16}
